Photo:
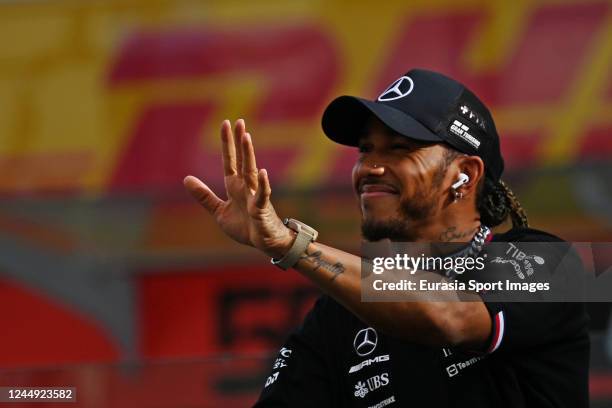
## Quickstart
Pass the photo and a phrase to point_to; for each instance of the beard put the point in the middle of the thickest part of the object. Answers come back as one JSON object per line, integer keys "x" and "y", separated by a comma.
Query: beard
{"x": 412, "y": 212}
{"x": 402, "y": 226}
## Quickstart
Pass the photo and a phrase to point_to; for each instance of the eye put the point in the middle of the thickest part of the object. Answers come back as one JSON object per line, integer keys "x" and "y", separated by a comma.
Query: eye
{"x": 364, "y": 148}
{"x": 399, "y": 146}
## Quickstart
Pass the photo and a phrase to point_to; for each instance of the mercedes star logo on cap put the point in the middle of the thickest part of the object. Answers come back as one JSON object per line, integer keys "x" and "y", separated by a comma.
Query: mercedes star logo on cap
{"x": 365, "y": 341}
{"x": 398, "y": 89}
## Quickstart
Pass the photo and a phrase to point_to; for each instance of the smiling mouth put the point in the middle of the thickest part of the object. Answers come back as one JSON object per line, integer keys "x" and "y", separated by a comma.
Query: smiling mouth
{"x": 377, "y": 190}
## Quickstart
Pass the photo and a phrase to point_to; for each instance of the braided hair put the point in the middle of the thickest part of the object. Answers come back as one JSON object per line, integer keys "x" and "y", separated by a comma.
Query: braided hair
{"x": 495, "y": 201}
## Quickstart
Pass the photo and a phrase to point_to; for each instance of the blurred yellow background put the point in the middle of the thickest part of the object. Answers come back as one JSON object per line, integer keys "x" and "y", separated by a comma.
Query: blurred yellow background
{"x": 106, "y": 105}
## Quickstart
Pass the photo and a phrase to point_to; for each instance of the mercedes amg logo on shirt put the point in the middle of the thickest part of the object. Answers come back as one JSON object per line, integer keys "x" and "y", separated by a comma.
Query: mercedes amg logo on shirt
{"x": 398, "y": 89}
{"x": 365, "y": 341}
{"x": 368, "y": 362}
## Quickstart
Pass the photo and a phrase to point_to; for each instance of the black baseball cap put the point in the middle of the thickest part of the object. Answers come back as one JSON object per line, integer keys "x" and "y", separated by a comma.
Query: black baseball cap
{"x": 422, "y": 105}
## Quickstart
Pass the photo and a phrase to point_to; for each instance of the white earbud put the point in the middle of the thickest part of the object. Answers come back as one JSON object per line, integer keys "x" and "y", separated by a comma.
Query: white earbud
{"x": 463, "y": 178}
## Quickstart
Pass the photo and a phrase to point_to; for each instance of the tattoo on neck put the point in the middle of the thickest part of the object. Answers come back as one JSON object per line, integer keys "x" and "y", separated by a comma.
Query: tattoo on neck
{"x": 451, "y": 234}
{"x": 315, "y": 257}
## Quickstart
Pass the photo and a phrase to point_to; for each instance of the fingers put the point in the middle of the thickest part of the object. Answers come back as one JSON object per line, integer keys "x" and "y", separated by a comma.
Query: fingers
{"x": 249, "y": 166}
{"x": 202, "y": 193}
{"x": 239, "y": 131}
{"x": 263, "y": 191}
{"x": 228, "y": 149}
{"x": 238, "y": 153}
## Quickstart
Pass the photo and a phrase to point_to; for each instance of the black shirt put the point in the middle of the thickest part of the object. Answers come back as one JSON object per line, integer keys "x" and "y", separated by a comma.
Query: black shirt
{"x": 538, "y": 356}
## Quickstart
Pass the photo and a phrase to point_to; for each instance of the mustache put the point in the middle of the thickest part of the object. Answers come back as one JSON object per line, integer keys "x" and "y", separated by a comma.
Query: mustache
{"x": 375, "y": 181}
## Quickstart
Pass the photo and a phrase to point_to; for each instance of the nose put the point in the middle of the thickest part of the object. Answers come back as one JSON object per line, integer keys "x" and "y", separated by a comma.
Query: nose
{"x": 377, "y": 170}
{"x": 366, "y": 169}
{"x": 371, "y": 168}
{"x": 370, "y": 164}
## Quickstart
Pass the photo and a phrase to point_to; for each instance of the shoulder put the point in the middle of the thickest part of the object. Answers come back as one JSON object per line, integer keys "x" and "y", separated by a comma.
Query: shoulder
{"x": 537, "y": 242}
{"x": 526, "y": 235}
{"x": 328, "y": 313}
{"x": 325, "y": 309}
{"x": 326, "y": 322}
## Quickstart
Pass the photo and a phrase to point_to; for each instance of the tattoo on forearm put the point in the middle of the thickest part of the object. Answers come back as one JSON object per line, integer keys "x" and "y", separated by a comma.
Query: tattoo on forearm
{"x": 315, "y": 257}
{"x": 451, "y": 234}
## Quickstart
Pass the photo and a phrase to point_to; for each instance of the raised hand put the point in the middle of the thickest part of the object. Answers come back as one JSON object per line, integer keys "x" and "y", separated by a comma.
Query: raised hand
{"x": 247, "y": 216}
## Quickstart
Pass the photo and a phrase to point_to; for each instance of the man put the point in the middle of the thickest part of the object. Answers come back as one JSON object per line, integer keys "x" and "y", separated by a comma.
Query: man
{"x": 429, "y": 170}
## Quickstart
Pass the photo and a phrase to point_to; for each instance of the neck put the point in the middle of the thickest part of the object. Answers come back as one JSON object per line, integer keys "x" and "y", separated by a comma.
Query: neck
{"x": 451, "y": 229}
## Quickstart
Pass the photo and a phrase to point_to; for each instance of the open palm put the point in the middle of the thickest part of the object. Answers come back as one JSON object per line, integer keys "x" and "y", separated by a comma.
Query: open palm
{"x": 247, "y": 216}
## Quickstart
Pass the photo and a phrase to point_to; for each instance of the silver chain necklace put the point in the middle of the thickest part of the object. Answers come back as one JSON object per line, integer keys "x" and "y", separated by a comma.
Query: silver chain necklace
{"x": 472, "y": 250}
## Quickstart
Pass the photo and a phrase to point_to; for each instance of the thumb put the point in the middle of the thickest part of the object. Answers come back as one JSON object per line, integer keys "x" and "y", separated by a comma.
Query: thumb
{"x": 202, "y": 194}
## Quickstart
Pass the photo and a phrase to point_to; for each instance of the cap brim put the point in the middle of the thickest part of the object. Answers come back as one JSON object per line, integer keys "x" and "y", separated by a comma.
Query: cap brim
{"x": 345, "y": 117}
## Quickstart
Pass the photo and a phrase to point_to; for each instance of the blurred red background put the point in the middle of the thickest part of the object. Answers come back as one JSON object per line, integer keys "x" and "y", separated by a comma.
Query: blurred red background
{"x": 112, "y": 280}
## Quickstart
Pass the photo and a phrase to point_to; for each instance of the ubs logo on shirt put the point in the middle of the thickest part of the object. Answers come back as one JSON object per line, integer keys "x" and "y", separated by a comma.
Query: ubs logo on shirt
{"x": 371, "y": 384}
